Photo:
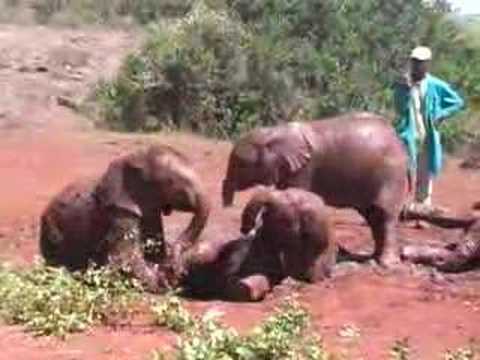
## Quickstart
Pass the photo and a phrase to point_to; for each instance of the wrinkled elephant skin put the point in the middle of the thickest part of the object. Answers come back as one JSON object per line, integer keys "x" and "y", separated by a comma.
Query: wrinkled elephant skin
{"x": 117, "y": 218}
{"x": 285, "y": 234}
{"x": 354, "y": 160}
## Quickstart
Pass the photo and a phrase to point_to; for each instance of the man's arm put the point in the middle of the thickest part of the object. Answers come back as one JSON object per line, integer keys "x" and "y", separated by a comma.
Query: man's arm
{"x": 450, "y": 102}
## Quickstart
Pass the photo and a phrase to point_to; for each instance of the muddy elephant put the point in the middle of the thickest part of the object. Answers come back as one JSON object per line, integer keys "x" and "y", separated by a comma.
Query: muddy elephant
{"x": 459, "y": 255}
{"x": 117, "y": 217}
{"x": 354, "y": 160}
{"x": 284, "y": 234}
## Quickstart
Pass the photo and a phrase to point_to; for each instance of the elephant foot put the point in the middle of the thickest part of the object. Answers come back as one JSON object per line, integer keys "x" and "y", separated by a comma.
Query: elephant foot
{"x": 389, "y": 259}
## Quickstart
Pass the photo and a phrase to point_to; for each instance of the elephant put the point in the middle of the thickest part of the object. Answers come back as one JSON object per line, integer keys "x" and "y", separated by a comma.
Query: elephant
{"x": 460, "y": 255}
{"x": 117, "y": 218}
{"x": 352, "y": 160}
{"x": 284, "y": 234}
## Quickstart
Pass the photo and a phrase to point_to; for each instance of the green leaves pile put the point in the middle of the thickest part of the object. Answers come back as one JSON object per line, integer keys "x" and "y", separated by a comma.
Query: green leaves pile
{"x": 52, "y": 301}
{"x": 285, "y": 335}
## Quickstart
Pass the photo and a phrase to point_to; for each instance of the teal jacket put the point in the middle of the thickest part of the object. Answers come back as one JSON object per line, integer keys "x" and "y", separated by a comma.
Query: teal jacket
{"x": 440, "y": 102}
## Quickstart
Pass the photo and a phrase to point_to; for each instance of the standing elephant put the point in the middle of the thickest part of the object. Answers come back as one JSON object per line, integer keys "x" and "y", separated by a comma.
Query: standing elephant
{"x": 459, "y": 255}
{"x": 112, "y": 219}
{"x": 354, "y": 160}
{"x": 285, "y": 234}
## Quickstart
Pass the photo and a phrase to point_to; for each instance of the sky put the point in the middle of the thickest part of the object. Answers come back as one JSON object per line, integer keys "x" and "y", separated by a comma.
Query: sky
{"x": 467, "y": 6}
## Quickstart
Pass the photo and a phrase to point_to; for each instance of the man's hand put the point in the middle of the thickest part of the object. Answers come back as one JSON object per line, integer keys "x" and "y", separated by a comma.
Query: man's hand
{"x": 404, "y": 80}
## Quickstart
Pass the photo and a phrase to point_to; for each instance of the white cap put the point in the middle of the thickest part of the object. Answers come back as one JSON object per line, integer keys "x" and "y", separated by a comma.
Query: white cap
{"x": 421, "y": 53}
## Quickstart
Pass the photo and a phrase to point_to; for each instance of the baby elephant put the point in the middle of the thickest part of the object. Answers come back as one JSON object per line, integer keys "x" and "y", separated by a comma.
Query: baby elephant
{"x": 287, "y": 234}
{"x": 458, "y": 256}
{"x": 111, "y": 219}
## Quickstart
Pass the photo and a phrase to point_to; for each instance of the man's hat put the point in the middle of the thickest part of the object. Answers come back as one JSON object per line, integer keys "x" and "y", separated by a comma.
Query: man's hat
{"x": 421, "y": 53}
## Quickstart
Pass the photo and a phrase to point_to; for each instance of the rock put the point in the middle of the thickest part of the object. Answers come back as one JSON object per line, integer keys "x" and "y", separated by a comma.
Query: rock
{"x": 67, "y": 102}
{"x": 30, "y": 69}
{"x": 41, "y": 68}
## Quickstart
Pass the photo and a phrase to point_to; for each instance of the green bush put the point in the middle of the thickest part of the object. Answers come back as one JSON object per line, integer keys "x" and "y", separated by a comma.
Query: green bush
{"x": 229, "y": 66}
{"x": 188, "y": 75}
{"x": 285, "y": 335}
{"x": 470, "y": 352}
{"x": 52, "y": 301}
{"x": 401, "y": 350}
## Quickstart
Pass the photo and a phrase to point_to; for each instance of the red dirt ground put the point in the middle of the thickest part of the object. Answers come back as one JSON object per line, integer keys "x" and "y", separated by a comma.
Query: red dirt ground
{"x": 436, "y": 313}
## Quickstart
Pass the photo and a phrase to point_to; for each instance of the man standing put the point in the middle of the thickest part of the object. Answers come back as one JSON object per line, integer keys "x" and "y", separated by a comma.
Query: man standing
{"x": 422, "y": 103}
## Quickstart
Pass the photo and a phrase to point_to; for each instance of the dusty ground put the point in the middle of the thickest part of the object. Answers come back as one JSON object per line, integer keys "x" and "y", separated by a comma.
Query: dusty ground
{"x": 45, "y": 145}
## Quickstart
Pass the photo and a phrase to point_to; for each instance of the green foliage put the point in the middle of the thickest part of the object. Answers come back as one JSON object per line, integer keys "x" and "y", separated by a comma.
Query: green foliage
{"x": 401, "y": 350}
{"x": 8, "y": 10}
{"x": 470, "y": 352}
{"x": 282, "y": 336}
{"x": 181, "y": 77}
{"x": 228, "y": 66}
{"x": 171, "y": 314}
{"x": 52, "y": 301}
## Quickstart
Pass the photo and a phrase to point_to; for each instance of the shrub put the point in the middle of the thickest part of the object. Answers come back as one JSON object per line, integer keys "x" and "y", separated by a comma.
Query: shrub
{"x": 401, "y": 350}
{"x": 285, "y": 335}
{"x": 227, "y": 67}
{"x": 470, "y": 352}
{"x": 52, "y": 301}
{"x": 183, "y": 77}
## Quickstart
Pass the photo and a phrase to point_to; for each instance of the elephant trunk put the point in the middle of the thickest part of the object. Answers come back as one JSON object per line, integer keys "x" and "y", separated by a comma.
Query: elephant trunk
{"x": 228, "y": 192}
{"x": 229, "y": 186}
{"x": 252, "y": 216}
{"x": 199, "y": 220}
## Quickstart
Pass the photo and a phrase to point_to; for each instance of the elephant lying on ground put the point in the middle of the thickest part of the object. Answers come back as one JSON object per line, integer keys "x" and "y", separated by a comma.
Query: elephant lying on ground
{"x": 285, "y": 234}
{"x": 354, "y": 160}
{"x": 457, "y": 256}
{"x": 111, "y": 219}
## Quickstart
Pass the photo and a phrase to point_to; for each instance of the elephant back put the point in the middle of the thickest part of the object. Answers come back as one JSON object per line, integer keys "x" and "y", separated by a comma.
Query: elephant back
{"x": 72, "y": 226}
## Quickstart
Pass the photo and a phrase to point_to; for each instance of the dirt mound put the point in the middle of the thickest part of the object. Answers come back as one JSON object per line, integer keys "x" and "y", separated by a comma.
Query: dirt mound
{"x": 38, "y": 65}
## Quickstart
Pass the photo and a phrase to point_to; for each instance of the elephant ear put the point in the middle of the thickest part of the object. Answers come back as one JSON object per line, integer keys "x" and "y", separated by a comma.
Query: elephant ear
{"x": 116, "y": 187}
{"x": 293, "y": 147}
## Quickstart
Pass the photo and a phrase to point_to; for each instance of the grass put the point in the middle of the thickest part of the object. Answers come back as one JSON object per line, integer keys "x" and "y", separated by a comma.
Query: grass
{"x": 287, "y": 334}
{"x": 52, "y": 301}
{"x": 401, "y": 350}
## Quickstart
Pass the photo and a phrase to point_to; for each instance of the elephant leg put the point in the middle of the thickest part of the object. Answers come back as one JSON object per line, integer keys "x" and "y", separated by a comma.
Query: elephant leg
{"x": 59, "y": 248}
{"x": 321, "y": 267}
{"x": 123, "y": 241}
{"x": 383, "y": 228}
{"x": 51, "y": 239}
{"x": 250, "y": 288}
